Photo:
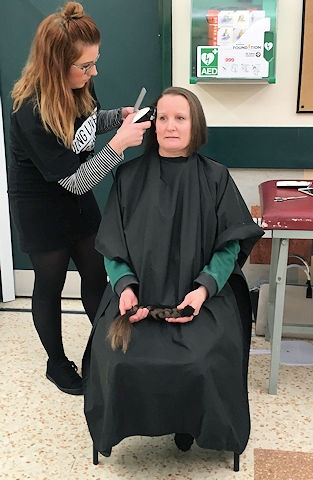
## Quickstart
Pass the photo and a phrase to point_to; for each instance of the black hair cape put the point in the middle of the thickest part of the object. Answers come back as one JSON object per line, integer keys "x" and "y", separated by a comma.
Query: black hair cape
{"x": 165, "y": 218}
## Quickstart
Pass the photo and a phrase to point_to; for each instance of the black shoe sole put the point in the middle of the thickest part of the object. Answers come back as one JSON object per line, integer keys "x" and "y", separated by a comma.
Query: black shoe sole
{"x": 71, "y": 391}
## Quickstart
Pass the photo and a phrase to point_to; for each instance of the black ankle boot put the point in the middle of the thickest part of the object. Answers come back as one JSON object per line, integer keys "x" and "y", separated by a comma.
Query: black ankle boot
{"x": 183, "y": 441}
{"x": 64, "y": 375}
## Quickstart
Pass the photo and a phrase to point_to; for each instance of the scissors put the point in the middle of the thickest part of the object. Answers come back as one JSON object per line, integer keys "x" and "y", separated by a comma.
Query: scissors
{"x": 282, "y": 199}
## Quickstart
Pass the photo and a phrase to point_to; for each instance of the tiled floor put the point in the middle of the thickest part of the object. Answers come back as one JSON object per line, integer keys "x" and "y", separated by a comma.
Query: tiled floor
{"x": 44, "y": 435}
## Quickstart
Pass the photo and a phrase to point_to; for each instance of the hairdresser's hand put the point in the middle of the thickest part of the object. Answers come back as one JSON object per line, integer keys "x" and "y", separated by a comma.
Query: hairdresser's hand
{"x": 129, "y": 134}
{"x": 128, "y": 300}
{"x": 195, "y": 299}
{"x": 127, "y": 111}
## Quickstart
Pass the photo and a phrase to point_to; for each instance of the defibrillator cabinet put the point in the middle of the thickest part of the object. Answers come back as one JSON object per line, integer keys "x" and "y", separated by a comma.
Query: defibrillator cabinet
{"x": 233, "y": 40}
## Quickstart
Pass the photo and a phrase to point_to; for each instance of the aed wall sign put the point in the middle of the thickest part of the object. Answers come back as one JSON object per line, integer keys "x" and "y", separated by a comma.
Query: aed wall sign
{"x": 239, "y": 44}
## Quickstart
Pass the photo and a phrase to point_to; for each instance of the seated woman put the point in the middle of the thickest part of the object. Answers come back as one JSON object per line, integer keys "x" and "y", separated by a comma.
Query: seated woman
{"x": 175, "y": 233}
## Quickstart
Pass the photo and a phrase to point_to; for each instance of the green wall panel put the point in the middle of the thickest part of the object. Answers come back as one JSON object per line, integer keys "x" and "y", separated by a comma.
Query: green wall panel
{"x": 261, "y": 147}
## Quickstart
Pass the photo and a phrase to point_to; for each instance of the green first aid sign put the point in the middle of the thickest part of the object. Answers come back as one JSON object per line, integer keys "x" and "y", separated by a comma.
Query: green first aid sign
{"x": 207, "y": 61}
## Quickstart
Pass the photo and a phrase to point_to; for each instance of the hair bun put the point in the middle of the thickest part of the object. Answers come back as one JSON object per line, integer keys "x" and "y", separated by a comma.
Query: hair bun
{"x": 72, "y": 10}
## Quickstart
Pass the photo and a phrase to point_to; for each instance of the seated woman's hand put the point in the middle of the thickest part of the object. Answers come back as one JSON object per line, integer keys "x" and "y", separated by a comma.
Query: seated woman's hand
{"x": 139, "y": 315}
{"x": 128, "y": 300}
{"x": 195, "y": 299}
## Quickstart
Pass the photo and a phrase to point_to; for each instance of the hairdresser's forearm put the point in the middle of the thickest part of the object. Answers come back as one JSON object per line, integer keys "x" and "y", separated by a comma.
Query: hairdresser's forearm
{"x": 108, "y": 120}
{"x": 91, "y": 172}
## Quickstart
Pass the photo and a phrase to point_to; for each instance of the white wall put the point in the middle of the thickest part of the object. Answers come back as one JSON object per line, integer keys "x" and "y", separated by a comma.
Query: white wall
{"x": 6, "y": 259}
{"x": 250, "y": 105}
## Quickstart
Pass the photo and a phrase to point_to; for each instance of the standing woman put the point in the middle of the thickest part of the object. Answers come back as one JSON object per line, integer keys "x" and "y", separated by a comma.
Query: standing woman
{"x": 55, "y": 119}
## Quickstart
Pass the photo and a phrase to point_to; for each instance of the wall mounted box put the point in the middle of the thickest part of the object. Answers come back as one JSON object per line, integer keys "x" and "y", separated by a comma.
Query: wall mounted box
{"x": 233, "y": 41}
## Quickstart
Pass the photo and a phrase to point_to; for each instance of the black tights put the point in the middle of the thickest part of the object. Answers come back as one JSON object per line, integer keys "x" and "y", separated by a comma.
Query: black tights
{"x": 50, "y": 273}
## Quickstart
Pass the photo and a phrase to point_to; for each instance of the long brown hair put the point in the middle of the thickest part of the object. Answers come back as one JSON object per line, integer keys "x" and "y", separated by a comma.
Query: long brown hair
{"x": 120, "y": 329}
{"x": 57, "y": 44}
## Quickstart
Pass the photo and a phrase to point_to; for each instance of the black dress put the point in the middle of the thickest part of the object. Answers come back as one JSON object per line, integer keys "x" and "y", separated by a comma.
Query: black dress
{"x": 167, "y": 217}
{"x": 47, "y": 216}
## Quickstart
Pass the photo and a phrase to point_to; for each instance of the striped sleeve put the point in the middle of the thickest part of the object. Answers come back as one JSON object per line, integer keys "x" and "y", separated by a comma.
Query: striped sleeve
{"x": 91, "y": 172}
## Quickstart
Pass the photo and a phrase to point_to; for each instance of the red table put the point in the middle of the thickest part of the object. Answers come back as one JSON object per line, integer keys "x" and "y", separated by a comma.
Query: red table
{"x": 286, "y": 220}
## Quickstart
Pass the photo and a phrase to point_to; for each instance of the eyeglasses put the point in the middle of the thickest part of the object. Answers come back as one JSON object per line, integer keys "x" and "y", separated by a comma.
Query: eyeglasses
{"x": 86, "y": 68}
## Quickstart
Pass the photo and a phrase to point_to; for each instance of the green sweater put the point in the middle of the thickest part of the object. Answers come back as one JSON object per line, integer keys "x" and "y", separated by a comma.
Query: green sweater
{"x": 213, "y": 276}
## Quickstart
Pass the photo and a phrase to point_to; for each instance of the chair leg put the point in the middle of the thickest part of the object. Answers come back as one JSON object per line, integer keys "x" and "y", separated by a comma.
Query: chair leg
{"x": 95, "y": 459}
{"x": 236, "y": 462}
